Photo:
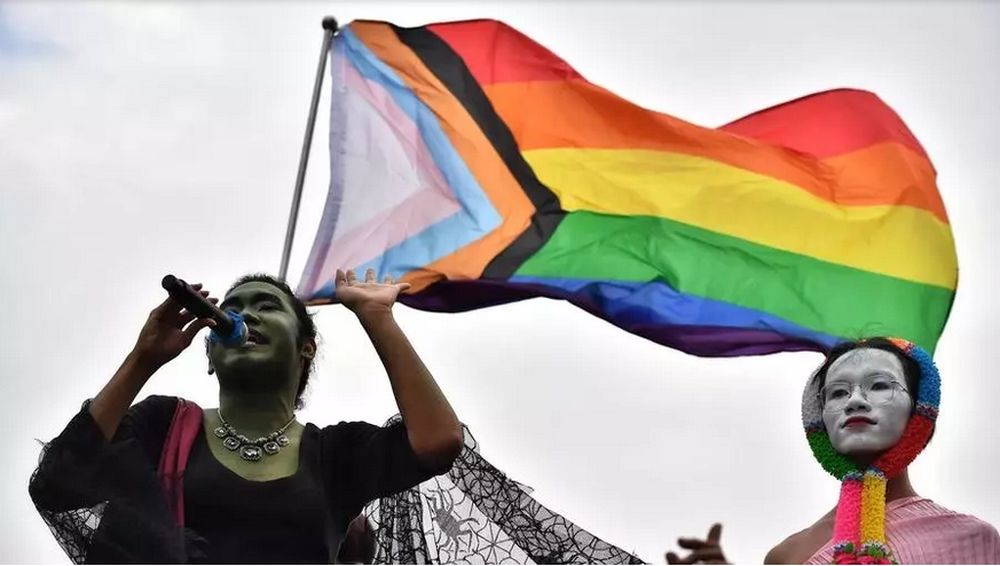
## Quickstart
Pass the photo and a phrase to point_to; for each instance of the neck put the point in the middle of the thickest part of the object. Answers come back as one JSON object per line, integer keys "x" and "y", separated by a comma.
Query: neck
{"x": 899, "y": 487}
{"x": 255, "y": 414}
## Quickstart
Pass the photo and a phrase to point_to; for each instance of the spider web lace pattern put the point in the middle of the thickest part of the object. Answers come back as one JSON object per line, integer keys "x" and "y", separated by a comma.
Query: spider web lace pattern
{"x": 73, "y": 529}
{"x": 107, "y": 507}
{"x": 475, "y": 514}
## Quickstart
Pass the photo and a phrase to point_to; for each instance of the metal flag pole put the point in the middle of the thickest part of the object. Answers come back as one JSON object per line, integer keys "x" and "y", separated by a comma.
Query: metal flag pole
{"x": 329, "y": 29}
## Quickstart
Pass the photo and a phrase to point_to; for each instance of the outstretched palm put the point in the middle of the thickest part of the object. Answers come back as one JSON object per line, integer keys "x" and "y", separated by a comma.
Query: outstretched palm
{"x": 356, "y": 295}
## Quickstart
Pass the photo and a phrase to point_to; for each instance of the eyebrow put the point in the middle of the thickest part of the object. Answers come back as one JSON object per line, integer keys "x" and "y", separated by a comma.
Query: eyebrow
{"x": 255, "y": 298}
{"x": 869, "y": 375}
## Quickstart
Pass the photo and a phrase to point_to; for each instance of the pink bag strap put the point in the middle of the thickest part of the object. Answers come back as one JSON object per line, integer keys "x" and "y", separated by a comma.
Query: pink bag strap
{"x": 183, "y": 431}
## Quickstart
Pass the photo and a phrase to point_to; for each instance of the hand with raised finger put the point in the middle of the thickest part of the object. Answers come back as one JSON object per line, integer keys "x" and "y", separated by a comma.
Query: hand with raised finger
{"x": 706, "y": 551}
{"x": 168, "y": 331}
{"x": 369, "y": 294}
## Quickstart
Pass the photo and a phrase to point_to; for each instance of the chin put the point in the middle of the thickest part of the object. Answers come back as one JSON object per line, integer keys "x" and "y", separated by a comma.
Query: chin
{"x": 862, "y": 449}
{"x": 245, "y": 375}
{"x": 241, "y": 361}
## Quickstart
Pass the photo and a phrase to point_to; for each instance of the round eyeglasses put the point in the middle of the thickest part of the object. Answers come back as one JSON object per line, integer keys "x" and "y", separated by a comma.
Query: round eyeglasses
{"x": 876, "y": 390}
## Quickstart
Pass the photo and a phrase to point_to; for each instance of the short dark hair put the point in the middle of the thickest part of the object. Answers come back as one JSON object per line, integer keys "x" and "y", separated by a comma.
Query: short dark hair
{"x": 307, "y": 328}
{"x": 911, "y": 369}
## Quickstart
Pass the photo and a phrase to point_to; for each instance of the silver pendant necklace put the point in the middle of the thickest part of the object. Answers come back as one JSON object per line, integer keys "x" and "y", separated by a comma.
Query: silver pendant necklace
{"x": 252, "y": 450}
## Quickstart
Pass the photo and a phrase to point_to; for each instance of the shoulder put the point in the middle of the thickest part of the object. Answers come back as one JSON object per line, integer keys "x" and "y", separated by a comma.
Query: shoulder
{"x": 157, "y": 402}
{"x": 150, "y": 415}
{"x": 347, "y": 428}
{"x": 154, "y": 408}
{"x": 969, "y": 525}
{"x": 981, "y": 528}
{"x": 362, "y": 439}
{"x": 961, "y": 521}
{"x": 948, "y": 535}
{"x": 803, "y": 545}
{"x": 346, "y": 433}
{"x": 961, "y": 538}
{"x": 781, "y": 552}
{"x": 774, "y": 556}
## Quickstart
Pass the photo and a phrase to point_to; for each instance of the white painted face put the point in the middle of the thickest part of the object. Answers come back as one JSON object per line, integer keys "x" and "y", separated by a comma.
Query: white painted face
{"x": 863, "y": 428}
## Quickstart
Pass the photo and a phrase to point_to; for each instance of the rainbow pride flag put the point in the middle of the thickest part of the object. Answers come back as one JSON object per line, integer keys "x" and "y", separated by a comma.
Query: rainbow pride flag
{"x": 480, "y": 167}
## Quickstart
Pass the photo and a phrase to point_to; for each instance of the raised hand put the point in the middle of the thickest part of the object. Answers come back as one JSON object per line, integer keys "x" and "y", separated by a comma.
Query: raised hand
{"x": 705, "y": 551}
{"x": 361, "y": 296}
{"x": 168, "y": 331}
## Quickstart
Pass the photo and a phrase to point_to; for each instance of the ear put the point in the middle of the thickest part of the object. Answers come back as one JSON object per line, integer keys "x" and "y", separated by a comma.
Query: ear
{"x": 309, "y": 349}
{"x": 208, "y": 356}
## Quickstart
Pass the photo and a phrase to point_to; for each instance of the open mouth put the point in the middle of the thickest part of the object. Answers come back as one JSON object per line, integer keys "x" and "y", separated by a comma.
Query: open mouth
{"x": 255, "y": 338}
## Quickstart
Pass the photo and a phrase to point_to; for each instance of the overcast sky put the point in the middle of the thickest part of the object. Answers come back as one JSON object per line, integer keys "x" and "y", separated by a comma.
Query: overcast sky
{"x": 137, "y": 141}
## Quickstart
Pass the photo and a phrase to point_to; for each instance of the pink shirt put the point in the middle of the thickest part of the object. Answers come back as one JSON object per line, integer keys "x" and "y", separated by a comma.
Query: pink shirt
{"x": 922, "y": 532}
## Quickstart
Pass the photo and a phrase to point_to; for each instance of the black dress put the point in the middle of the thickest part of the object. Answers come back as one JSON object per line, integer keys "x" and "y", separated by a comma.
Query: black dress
{"x": 104, "y": 503}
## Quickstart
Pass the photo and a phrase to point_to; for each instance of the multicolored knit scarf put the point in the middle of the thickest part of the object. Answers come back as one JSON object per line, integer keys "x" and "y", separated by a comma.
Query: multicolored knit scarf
{"x": 859, "y": 530}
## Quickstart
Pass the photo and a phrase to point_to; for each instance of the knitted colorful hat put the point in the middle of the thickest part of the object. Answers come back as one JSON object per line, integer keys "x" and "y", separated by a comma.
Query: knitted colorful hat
{"x": 859, "y": 530}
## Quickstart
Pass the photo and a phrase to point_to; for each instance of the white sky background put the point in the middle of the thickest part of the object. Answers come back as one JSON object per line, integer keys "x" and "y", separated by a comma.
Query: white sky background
{"x": 137, "y": 141}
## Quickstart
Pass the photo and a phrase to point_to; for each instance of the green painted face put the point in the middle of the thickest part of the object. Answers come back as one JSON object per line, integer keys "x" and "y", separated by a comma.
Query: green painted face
{"x": 273, "y": 357}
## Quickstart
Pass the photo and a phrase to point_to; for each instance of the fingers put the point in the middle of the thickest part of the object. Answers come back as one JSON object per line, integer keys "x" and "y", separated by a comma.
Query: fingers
{"x": 187, "y": 316}
{"x": 704, "y": 556}
{"x": 390, "y": 280}
{"x": 705, "y": 551}
{"x": 195, "y": 327}
{"x": 714, "y": 534}
{"x": 709, "y": 555}
{"x": 691, "y": 543}
{"x": 349, "y": 277}
{"x": 674, "y": 559}
{"x": 169, "y": 305}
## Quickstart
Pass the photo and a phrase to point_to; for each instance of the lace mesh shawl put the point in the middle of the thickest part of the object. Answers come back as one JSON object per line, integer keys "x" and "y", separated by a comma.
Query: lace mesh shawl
{"x": 475, "y": 514}
{"x": 107, "y": 511}
{"x": 103, "y": 505}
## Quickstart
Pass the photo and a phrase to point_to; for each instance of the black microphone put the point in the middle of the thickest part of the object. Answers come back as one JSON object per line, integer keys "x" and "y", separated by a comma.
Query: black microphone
{"x": 230, "y": 329}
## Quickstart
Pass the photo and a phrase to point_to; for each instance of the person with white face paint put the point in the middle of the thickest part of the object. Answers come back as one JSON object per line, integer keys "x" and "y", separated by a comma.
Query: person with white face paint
{"x": 866, "y": 402}
{"x": 868, "y": 411}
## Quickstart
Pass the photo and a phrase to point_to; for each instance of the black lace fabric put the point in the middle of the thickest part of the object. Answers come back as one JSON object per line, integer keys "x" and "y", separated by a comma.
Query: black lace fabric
{"x": 73, "y": 529}
{"x": 475, "y": 514}
{"x": 103, "y": 503}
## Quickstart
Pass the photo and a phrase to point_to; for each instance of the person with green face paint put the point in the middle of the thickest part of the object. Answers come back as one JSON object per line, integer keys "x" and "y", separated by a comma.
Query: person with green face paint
{"x": 165, "y": 481}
